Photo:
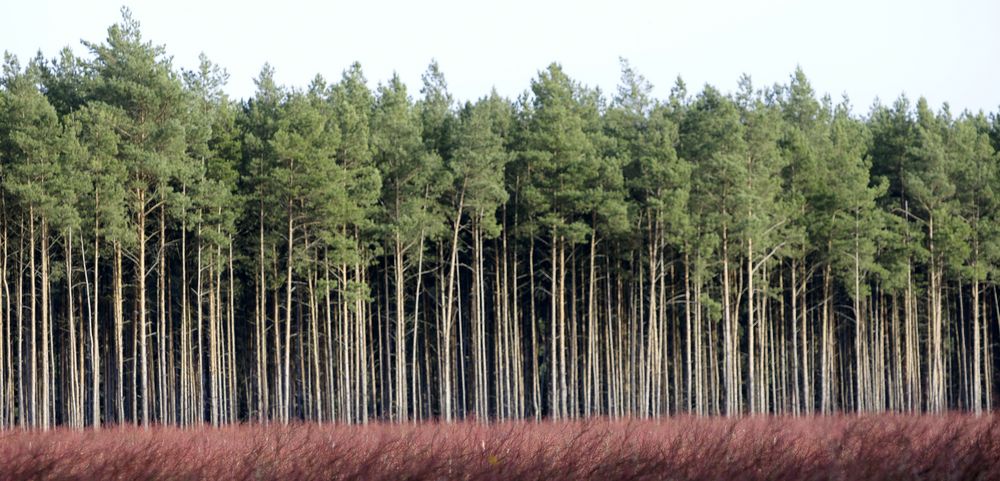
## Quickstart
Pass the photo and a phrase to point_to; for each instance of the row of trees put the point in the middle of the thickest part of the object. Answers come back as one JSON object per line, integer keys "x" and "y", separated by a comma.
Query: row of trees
{"x": 335, "y": 253}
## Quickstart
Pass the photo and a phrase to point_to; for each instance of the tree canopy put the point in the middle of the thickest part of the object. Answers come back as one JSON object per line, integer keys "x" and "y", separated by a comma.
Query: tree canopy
{"x": 347, "y": 252}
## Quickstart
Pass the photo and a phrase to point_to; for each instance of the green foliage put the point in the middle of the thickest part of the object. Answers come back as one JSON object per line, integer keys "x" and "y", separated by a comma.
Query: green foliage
{"x": 976, "y": 175}
{"x": 569, "y": 187}
{"x": 135, "y": 78}
{"x": 352, "y": 104}
{"x": 765, "y": 219}
{"x": 95, "y": 157}
{"x": 857, "y": 224}
{"x": 691, "y": 195}
{"x": 930, "y": 186}
{"x": 36, "y": 148}
{"x": 645, "y": 136}
{"x": 412, "y": 177}
{"x": 712, "y": 139}
{"x": 479, "y": 159}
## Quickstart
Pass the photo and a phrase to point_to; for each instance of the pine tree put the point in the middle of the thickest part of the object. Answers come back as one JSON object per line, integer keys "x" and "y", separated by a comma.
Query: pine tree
{"x": 411, "y": 179}
{"x": 893, "y": 132}
{"x": 856, "y": 224}
{"x": 976, "y": 181}
{"x": 96, "y": 139}
{"x": 34, "y": 145}
{"x": 762, "y": 223}
{"x": 476, "y": 166}
{"x": 712, "y": 140}
{"x": 258, "y": 123}
{"x": 353, "y": 104}
{"x": 136, "y": 77}
{"x": 207, "y": 203}
{"x": 929, "y": 185}
{"x": 644, "y": 138}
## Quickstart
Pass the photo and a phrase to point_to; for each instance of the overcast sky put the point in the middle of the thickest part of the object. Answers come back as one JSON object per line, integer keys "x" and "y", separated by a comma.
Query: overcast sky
{"x": 946, "y": 50}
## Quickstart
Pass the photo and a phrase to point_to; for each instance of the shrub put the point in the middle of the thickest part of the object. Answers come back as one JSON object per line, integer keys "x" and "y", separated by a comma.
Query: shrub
{"x": 879, "y": 447}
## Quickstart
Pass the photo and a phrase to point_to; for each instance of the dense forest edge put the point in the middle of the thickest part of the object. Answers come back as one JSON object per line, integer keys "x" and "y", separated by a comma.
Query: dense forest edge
{"x": 338, "y": 253}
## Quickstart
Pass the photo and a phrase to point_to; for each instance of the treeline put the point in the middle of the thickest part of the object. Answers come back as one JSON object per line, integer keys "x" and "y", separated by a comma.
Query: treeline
{"x": 338, "y": 253}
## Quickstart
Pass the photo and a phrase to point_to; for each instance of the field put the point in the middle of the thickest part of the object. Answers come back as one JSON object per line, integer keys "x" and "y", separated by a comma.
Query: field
{"x": 850, "y": 448}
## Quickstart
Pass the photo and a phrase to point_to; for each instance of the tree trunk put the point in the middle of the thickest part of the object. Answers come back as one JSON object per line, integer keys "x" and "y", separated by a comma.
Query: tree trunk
{"x": 286, "y": 406}
{"x": 141, "y": 301}
{"x": 76, "y": 395}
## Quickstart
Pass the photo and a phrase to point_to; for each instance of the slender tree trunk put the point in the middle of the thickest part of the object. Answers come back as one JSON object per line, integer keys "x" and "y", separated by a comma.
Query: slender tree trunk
{"x": 400, "y": 409}
{"x": 859, "y": 331}
{"x": 553, "y": 357}
{"x": 977, "y": 396}
{"x": 119, "y": 314}
{"x": 448, "y": 315}
{"x": 33, "y": 352}
{"x": 47, "y": 381}
{"x": 141, "y": 301}
{"x": 687, "y": 332}
{"x": 415, "y": 383}
{"x": 76, "y": 396}
{"x": 729, "y": 333}
{"x": 751, "y": 347}
{"x": 563, "y": 389}
{"x": 826, "y": 347}
{"x": 161, "y": 330}
{"x": 286, "y": 406}
{"x": 593, "y": 392}
{"x": 95, "y": 352}
{"x": 536, "y": 382}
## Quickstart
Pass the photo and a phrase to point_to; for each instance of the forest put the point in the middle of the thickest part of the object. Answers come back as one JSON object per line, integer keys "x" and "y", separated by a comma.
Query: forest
{"x": 346, "y": 253}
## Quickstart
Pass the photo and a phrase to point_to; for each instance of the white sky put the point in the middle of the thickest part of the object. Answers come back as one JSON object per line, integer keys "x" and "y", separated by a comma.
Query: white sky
{"x": 946, "y": 50}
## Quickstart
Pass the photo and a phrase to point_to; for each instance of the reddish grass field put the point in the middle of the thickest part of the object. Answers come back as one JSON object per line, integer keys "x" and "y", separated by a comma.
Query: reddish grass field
{"x": 955, "y": 446}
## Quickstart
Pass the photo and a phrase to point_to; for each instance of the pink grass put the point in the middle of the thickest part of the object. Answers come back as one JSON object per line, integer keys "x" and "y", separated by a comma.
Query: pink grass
{"x": 850, "y": 448}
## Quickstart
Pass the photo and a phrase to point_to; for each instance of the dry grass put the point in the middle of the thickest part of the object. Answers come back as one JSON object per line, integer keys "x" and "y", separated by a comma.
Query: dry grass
{"x": 955, "y": 446}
